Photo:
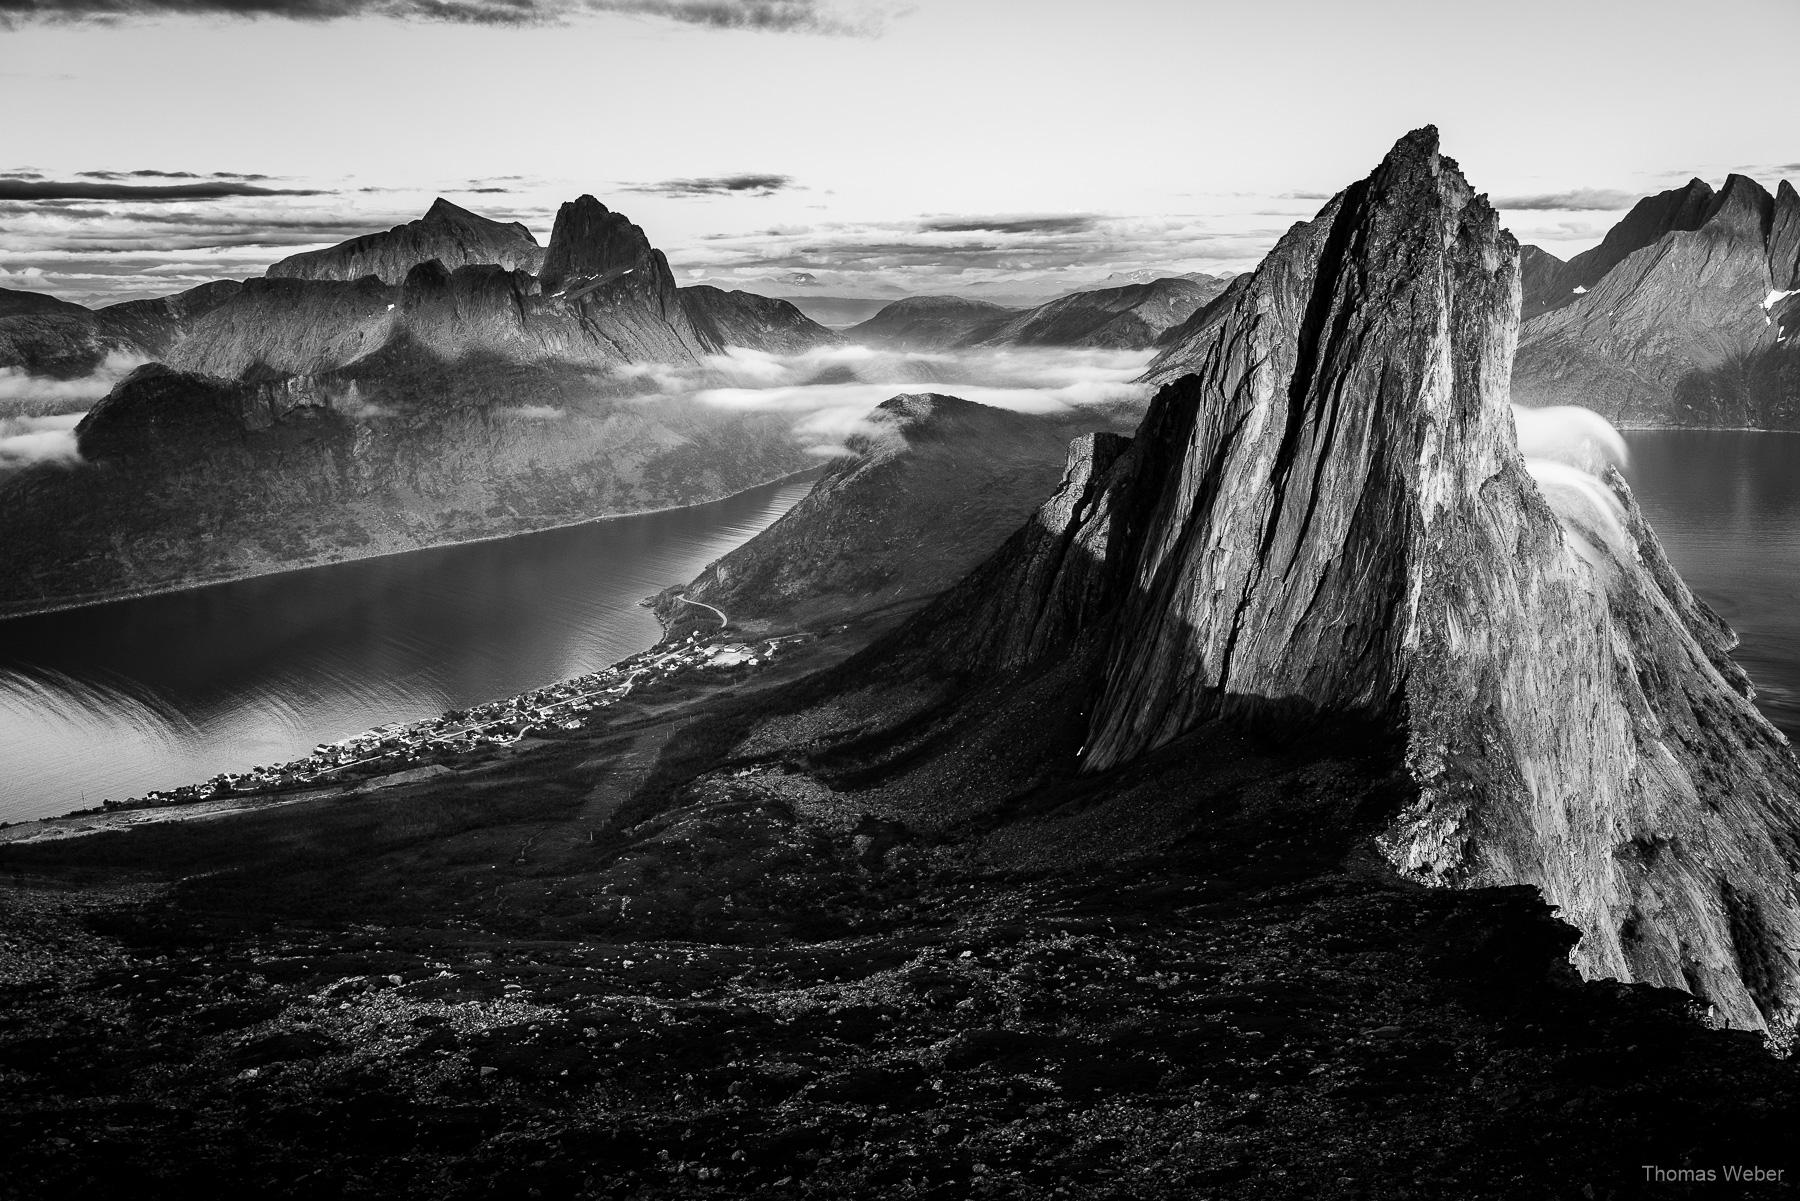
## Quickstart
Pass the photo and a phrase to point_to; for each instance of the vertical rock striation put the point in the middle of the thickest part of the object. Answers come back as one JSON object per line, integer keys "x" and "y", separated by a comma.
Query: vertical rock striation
{"x": 1331, "y": 516}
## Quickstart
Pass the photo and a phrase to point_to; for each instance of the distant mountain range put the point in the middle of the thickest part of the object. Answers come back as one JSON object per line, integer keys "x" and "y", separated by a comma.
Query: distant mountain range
{"x": 373, "y": 397}
{"x": 1125, "y": 317}
{"x": 1683, "y": 315}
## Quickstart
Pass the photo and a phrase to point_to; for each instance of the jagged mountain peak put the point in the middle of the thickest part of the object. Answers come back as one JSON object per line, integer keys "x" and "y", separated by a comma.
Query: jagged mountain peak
{"x": 1329, "y": 519}
{"x": 1784, "y": 239}
{"x": 442, "y": 210}
{"x": 589, "y": 242}
{"x": 446, "y": 232}
{"x": 1742, "y": 206}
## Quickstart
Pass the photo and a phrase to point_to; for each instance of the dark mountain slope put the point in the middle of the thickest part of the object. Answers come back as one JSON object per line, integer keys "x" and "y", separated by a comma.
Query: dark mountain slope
{"x": 727, "y": 319}
{"x": 452, "y": 235}
{"x": 58, "y": 340}
{"x": 930, "y": 323}
{"x": 1126, "y": 318}
{"x": 931, "y": 488}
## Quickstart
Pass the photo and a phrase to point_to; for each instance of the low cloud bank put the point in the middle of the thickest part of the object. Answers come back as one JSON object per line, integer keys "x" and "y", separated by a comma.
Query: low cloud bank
{"x": 27, "y": 441}
{"x": 17, "y": 385}
{"x": 1568, "y": 451}
{"x": 830, "y": 392}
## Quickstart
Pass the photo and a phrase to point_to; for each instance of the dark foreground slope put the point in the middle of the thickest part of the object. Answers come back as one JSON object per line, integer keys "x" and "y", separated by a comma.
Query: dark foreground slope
{"x": 604, "y": 967}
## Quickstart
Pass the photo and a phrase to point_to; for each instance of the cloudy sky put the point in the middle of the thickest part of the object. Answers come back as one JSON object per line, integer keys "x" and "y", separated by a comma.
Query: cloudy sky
{"x": 923, "y": 145}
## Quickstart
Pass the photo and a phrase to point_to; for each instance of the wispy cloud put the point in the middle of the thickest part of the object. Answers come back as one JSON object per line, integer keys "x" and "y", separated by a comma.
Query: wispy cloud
{"x": 1580, "y": 200}
{"x": 147, "y": 173}
{"x": 1075, "y": 223}
{"x": 829, "y": 393}
{"x": 716, "y": 185}
{"x": 771, "y": 16}
{"x": 13, "y": 188}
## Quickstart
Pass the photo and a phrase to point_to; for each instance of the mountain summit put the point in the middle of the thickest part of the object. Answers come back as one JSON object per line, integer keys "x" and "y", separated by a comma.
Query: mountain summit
{"x": 1331, "y": 520}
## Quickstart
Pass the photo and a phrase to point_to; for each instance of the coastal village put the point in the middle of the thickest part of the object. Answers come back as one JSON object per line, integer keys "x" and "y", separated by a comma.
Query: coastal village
{"x": 460, "y": 735}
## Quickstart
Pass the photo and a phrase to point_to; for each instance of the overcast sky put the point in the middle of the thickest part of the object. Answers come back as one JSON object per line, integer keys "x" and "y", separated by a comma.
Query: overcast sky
{"x": 922, "y": 146}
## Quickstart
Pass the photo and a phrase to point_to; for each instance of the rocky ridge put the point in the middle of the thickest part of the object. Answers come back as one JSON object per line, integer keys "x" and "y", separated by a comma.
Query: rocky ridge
{"x": 1330, "y": 519}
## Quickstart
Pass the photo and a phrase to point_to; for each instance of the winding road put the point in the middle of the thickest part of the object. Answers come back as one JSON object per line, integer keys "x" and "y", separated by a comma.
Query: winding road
{"x": 703, "y": 605}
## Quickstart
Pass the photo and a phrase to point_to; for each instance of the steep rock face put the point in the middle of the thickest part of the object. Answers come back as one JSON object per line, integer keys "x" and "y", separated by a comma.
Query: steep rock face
{"x": 1126, "y": 318}
{"x": 1784, "y": 239}
{"x": 1331, "y": 516}
{"x": 1183, "y": 345}
{"x": 931, "y": 323}
{"x": 758, "y": 322}
{"x": 929, "y": 490}
{"x": 1675, "y": 332}
{"x": 452, "y": 235}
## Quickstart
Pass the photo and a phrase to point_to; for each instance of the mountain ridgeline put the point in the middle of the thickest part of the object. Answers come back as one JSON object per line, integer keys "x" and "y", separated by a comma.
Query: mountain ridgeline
{"x": 445, "y": 380}
{"x": 1130, "y": 317}
{"x": 1684, "y": 314}
{"x": 1327, "y": 524}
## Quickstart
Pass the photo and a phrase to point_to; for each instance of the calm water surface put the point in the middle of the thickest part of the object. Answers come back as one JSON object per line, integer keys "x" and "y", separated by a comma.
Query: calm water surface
{"x": 1726, "y": 505}
{"x": 116, "y": 700}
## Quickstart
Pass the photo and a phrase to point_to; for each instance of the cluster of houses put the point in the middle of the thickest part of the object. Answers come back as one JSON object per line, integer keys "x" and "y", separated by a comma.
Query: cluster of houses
{"x": 390, "y": 748}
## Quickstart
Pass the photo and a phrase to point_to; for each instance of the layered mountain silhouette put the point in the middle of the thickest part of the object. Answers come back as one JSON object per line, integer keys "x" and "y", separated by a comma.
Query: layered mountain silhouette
{"x": 448, "y": 233}
{"x": 1326, "y": 525}
{"x": 1129, "y": 317}
{"x": 399, "y": 390}
{"x": 1677, "y": 317}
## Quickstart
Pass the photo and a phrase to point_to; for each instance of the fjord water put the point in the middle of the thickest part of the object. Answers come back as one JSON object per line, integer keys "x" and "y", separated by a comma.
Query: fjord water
{"x": 1726, "y": 504}
{"x": 115, "y": 700}
{"x": 118, "y": 699}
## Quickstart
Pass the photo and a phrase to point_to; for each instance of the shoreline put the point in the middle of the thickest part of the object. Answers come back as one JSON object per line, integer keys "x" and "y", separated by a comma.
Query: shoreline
{"x": 1700, "y": 429}
{"x": 94, "y": 602}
